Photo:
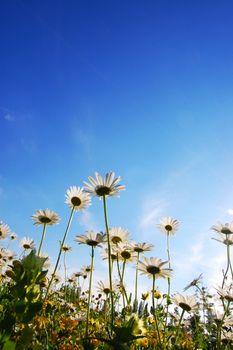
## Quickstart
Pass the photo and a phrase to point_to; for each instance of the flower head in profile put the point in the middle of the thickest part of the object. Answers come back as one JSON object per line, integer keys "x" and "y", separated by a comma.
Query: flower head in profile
{"x": 186, "y": 302}
{"x": 141, "y": 247}
{"x": 13, "y": 236}
{"x": 168, "y": 225}
{"x": 66, "y": 248}
{"x": 223, "y": 228}
{"x": 77, "y": 199}
{"x": 85, "y": 270}
{"x": 114, "y": 254}
{"x": 226, "y": 292}
{"x": 223, "y": 238}
{"x": 153, "y": 267}
{"x": 4, "y": 230}
{"x": 194, "y": 282}
{"x": 45, "y": 217}
{"x": 104, "y": 186}
{"x": 27, "y": 243}
{"x": 118, "y": 235}
{"x": 91, "y": 238}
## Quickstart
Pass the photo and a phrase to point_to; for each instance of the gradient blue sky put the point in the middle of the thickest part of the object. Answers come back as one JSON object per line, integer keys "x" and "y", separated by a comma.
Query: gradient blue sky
{"x": 143, "y": 88}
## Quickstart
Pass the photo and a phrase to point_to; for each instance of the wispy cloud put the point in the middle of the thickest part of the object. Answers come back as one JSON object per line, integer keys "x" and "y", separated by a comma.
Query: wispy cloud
{"x": 87, "y": 221}
{"x": 9, "y": 117}
{"x": 151, "y": 212}
{"x": 6, "y": 114}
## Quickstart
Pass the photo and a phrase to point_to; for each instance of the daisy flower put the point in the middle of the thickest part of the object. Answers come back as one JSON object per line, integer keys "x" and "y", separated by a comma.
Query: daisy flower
{"x": 27, "y": 243}
{"x": 224, "y": 238}
{"x": 226, "y": 293}
{"x": 91, "y": 238}
{"x": 77, "y": 199}
{"x": 221, "y": 228}
{"x": 118, "y": 235}
{"x": 13, "y": 236}
{"x": 104, "y": 186}
{"x": 66, "y": 249}
{"x": 153, "y": 267}
{"x": 168, "y": 225}
{"x": 186, "y": 302}
{"x": 45, "y": 217}
{"x": 104, "y": 287}
{"x": 141, "y": 247}
{"x": 85, "y": 269}
{"x": 113, "y": 255}
{"x": 194, "y": 282}
{"x": 125, "y": 252}
{"x": 4, "y": 230}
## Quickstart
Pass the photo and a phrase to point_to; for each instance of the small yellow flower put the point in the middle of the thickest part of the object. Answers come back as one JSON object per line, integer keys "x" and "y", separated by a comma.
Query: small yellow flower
{"x": 145, "y": 296}
{"x": 157, "y": 295}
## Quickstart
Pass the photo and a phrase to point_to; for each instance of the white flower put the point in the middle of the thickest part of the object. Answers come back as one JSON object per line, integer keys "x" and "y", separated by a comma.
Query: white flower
{"x": 141, "y": 247}
{"x": 77, "y": 199}
{"x": 125, "y": 252}
{"x": 4, "y": 230}
{"x": 221, "y": 228}
{"x": 91, "y": 238}
{"x": 226, "y": 292}
{"x": 153, "y": 267}
{"x": 27, "y": 243}
{"x": 118, "y": 235}
{"x": 104, "y": 287}
{"x": 168, "y": 225}
{"x": 45, "y": 217}
{"x": 66, "y": 248}
{"x": 13, "y": 236}
{"x": 186, "y": 302}
{"x": 224, "y": 238}
{"x": 194, "y": 282}
{"x": 104, "y": 186}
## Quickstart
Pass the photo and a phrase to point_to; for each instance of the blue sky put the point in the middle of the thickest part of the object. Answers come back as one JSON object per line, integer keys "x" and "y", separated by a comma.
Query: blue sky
{"x": 143, "y": 88}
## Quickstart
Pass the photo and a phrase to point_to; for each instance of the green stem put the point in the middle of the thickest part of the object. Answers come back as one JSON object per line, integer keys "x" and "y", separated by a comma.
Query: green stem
{"x": 89, "y": 292}
{"x": 178, "y": 327}
{"x": 42, "y": 239}
{"x": 121, "y": 283}
{"x": 168, "y": 280}
{"x": 123, "y": 273}
{"x": 109, "y": 261}
{"x": 60, "y": 251}
{"x": 65, "y": 274}
{"x": 228, "y": 265}
{"x": 154, "y": 312}
{"x": 136, "y": 280}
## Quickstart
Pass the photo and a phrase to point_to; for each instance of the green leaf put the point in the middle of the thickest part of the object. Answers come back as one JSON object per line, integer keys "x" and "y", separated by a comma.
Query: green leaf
{"x": 9, "y": 345}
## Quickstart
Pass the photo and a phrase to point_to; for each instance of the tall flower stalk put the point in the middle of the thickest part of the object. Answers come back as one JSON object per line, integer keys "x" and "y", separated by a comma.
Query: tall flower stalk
{"x": 169, "y": 226}
{"x": 77, "y": 200}
{"x": 103, "y": 187}
{"x": 139, "y": 248}
{"x": 60, "y": 251}
{"x": 89, "y": 290}
{"x": 109, "y": 260}
{"x": 93, "y": 240}
{"x": 42, "y": 239}
{"x": 225, "y": 233}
